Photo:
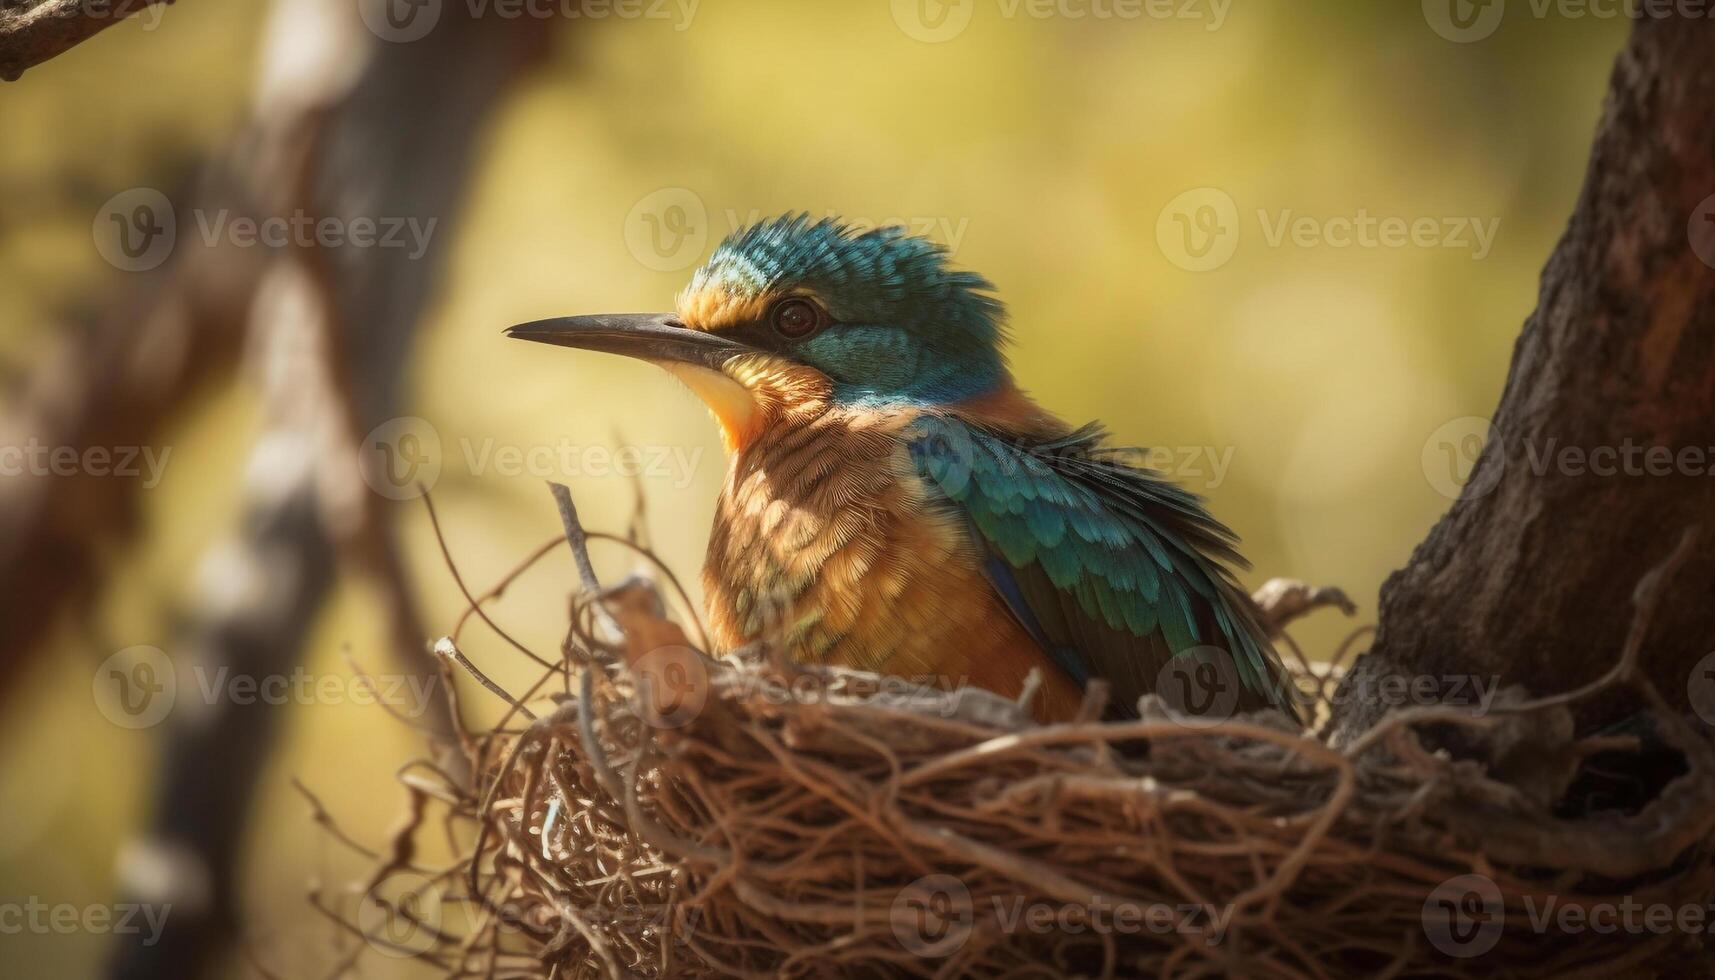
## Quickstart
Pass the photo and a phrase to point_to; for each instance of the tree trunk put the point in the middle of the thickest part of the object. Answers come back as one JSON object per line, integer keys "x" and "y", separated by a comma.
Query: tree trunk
{"x": 1600, "y": 452}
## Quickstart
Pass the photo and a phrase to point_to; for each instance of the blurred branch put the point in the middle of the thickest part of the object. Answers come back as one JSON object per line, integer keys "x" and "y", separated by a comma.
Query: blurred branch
{"x": 34, "y": 32}
{"x": 341, "y": 136}
{"x": 120, "y": 381}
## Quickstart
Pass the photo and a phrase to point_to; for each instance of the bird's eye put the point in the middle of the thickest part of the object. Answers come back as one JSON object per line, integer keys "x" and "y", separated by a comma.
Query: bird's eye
{"x": 796, "y": 318}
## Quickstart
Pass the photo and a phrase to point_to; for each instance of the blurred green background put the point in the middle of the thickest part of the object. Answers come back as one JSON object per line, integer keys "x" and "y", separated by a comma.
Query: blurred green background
{"x": 1042, "y": 149}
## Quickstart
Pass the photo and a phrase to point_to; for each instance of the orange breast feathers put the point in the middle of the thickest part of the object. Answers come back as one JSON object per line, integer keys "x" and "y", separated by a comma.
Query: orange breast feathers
{"x": 827, "y": 541}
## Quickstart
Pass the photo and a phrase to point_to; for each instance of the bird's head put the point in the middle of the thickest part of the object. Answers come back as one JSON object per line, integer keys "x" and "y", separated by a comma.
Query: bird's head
{"x": 798, "y": 309}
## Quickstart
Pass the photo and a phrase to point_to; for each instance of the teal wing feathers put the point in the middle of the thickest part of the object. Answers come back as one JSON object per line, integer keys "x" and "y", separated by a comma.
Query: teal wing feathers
{"x": 1112, "y": 569}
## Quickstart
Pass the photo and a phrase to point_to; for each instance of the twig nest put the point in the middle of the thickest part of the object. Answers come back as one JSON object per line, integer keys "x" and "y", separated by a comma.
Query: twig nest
{"x": 668, "y": 815}
{"x": 833, "y": 823}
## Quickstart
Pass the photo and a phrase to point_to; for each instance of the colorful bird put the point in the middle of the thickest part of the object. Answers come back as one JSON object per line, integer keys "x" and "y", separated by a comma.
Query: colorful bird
{"x": 895, "y": 503}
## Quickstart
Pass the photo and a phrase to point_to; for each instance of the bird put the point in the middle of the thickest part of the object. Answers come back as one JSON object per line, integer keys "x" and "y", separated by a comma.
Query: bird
{"x": 894, "y": 502}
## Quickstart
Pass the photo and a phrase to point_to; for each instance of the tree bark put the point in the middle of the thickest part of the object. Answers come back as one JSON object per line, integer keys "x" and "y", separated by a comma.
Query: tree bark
{"x": 33, "y": 31}
{"x": 1600, "y": 452}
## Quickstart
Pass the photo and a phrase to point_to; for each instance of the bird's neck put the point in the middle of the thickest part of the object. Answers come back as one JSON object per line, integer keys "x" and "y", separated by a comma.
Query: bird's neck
{"x": 754, "y": 397}
{"x": 1006, "y": 408}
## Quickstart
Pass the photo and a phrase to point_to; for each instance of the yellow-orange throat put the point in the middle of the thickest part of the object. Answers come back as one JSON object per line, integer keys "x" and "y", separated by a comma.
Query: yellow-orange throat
{"x": 730, "y": 402}
{"x": 752, "y": 391}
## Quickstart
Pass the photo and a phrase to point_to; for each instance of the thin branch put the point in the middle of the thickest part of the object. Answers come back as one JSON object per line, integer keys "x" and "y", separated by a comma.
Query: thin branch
{"x": 581, "y": 552}
{"x": 34, "y": 33}
{"x": 445, "y": 647}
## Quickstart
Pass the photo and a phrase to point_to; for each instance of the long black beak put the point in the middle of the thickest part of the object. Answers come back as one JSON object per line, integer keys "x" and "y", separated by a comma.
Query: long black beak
{"x": 649, "y": 336}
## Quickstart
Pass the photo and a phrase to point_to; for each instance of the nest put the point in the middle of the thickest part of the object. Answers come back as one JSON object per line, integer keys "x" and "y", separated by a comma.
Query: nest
{"x": 663, "y": 814}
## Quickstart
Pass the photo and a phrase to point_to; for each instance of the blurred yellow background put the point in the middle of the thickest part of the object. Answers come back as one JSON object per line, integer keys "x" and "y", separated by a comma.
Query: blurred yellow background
{"x": 1043, "y": 150}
